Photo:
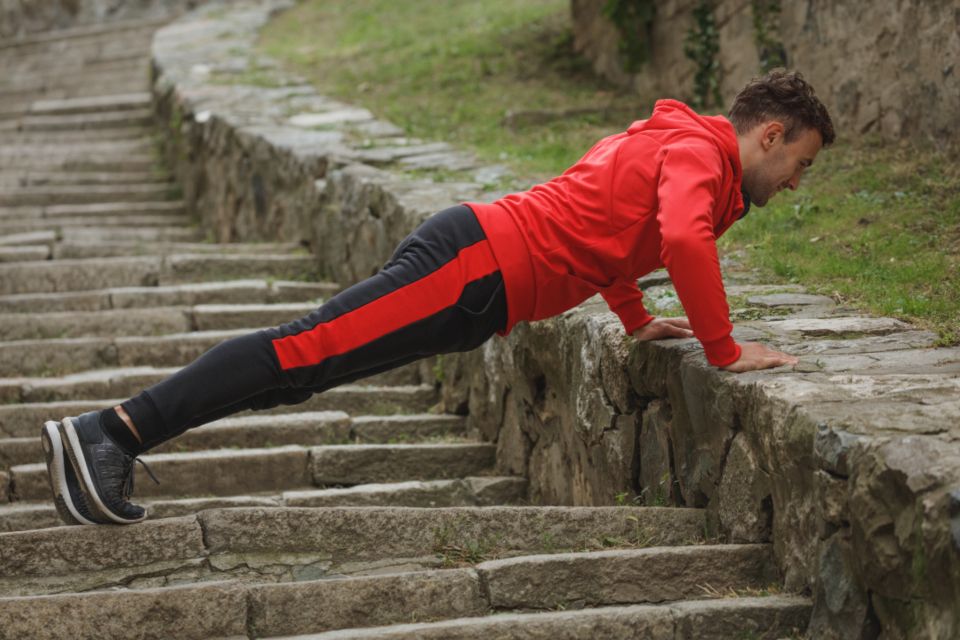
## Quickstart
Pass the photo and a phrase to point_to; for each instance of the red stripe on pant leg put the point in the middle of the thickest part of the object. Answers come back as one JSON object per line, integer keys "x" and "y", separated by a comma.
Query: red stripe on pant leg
{"x": 415, "y": 301}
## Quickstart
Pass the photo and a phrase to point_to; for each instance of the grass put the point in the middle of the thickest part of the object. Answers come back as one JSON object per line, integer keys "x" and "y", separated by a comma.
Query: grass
{"x": 453, "y": 73}
{"x": 875, "y": 227}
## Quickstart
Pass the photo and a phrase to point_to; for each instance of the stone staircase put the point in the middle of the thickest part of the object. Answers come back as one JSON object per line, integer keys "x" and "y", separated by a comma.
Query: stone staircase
{"x": 357, "y": 514}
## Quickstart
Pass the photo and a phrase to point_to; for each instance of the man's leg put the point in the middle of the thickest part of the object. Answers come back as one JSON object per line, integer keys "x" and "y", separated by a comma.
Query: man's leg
{"x": 441, "y": 292}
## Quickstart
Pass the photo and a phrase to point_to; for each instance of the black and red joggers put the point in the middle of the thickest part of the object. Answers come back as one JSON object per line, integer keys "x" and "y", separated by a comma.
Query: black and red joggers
{"x": 441, "y": 292}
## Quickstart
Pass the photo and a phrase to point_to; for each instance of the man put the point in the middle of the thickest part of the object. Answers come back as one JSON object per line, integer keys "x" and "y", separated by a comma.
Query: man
{"x": 658, "y": 194}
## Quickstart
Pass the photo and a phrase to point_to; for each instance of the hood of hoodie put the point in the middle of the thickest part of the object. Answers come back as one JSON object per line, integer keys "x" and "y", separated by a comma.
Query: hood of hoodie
{"x": 673, "y": 115}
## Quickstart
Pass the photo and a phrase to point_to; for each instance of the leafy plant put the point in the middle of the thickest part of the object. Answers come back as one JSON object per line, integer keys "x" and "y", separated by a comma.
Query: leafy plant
{"x": 701, "y": 45}
{"x": 766, "y": 34}
{"x": 634, "y": 20}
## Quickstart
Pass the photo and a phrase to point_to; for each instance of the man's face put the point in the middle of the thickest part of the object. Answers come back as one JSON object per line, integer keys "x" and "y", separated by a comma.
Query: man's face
{"x": 782, "y": 164}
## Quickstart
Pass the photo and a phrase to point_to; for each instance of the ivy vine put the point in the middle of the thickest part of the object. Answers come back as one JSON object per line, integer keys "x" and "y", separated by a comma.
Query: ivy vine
{"x": 701, "y": 45}
{"x": 634, "y": 20}
{"x": 766, "y": 34}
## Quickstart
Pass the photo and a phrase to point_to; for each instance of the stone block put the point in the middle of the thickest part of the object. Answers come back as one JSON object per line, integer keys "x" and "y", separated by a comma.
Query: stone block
{"x": 625, "y": 576}
{"x": 253, "y": 431}
{"x": 65, "y": 550}
{"x": 193, "y": 612}
{"x": 226, "y": 472}
{"x": 745, "y": 505}
{"x": 371, "y": 533}
{"x": 640, "y": 622}
{"x": 283, "y": 609}
{"x": 656, "y": 479}
{"x": 169, "y": 350}
{"x": 53, "y": 357}
{"x": 407, "y": 427}
{"x": 69, "y": 275}
{"x": 211, "y": 317}
{"x": 773, "y": 616}
{"x": 356, "y": 464}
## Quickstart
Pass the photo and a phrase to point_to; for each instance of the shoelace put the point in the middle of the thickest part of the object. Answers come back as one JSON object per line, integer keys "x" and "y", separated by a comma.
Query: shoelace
{"x": 128, "y": 480}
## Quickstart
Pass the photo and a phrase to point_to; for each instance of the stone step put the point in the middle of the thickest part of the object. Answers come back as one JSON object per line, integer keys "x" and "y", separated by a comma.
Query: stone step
{"x": 101, "y": 120}
{"x": 283, "y": 543}
{"x": 263, "y": 431}
{"x": 79, "y": 178}
{"x": 25, "y": 253}
{"x": 460, "y": 492}
{"x": 93, "y": 210}
{"x": 105, "y": 66}
{"x": 264, "y": 610}
{"x": 126, "y": 381}
{"x": 101, "y": 248}
{"x": 96, "y": 104}
{"x": 14, "y": 137}
{"x": 173, "y": 227}
{"x": 27, "y": 402}
{"x": 76, "y": 194}
{"x": 231, "y": 472}
{"x": 129, "y": 31}
{"x": 118, "y": 163}
{"x": 36, "y": 75}
{"x": 83, "y": 87}
{"x": 100, "y": 273}
{"x": 50, "y": 155}
{"x": 219, "y": 292}
{"x": 47, "y": 238}
{"x": 137, "y": 246}
{"x": 153, "y": 321}
{"x": 723, "y": 619}
{"x": 117, "y": 234}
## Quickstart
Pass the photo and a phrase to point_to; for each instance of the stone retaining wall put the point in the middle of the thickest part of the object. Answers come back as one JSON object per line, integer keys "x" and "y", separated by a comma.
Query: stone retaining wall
{"x": 884, "y": 67}
{"x": 24, "y": 17}
{"x": 850, "y": 462}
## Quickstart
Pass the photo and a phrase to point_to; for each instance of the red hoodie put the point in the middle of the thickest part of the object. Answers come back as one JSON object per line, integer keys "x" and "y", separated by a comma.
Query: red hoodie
{"x": 658, "y": 194}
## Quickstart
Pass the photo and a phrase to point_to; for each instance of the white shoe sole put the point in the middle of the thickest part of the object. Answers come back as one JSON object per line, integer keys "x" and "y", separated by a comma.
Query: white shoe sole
{"x": 57, "y": 474}
{"x": 75, "y": 452}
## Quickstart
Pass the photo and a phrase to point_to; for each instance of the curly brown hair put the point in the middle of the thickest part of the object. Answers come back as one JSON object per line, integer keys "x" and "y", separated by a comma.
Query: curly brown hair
{"x": 781, "y": 95}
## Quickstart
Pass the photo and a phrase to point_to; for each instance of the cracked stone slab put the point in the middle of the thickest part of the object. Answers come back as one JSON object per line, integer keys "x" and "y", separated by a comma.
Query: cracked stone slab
{"x": 839, "y": 326}
{"x": 65, "y": 550}
{"x": 355, "y": 464}
{"x": 789, "y": 300}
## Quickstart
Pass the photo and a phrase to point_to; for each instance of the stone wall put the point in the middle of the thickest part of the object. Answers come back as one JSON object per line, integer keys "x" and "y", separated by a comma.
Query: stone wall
{"x": 849, "y": 463}
{"x": 884, "y": 67}
{"x": 23, "y": 17}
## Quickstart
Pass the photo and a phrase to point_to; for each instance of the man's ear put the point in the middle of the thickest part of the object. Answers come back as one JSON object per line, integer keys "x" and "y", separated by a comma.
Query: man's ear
{"x": 770, "y": 132}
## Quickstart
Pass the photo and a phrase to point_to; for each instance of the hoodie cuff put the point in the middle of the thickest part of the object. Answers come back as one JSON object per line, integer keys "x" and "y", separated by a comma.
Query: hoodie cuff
{"x": 722, "y": 352}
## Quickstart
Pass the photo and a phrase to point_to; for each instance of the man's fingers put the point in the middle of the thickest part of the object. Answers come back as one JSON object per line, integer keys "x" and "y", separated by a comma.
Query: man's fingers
{"x": 675, "y": 331}
{"x": 678, "y": 322}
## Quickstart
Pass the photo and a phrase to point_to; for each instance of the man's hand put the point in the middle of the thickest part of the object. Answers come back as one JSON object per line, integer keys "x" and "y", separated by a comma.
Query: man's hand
{"x": 754, "y": 355}
{"x": 664, "y": 328}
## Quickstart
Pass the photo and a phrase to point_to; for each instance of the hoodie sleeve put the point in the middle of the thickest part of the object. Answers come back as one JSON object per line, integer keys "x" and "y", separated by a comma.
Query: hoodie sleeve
{"x": 626, "y": 300}
{"x": 689, "y": 183}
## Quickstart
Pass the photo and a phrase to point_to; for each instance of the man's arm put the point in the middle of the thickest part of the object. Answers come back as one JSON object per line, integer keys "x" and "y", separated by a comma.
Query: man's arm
{"x": 625, "y": 299}
{"x": 689, "y": 183}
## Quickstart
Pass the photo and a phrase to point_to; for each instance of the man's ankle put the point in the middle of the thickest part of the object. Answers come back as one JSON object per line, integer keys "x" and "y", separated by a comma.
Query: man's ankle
{"x": 121, "y": 431}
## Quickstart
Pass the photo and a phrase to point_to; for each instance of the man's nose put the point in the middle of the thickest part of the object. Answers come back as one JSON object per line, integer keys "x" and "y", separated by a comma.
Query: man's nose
{"x": 794, "y": 182}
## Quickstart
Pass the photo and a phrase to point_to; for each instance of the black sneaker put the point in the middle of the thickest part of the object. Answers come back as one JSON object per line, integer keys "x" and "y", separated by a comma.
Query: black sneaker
{"x": 68, "y": 497}
{"x": 105, "y": 470}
